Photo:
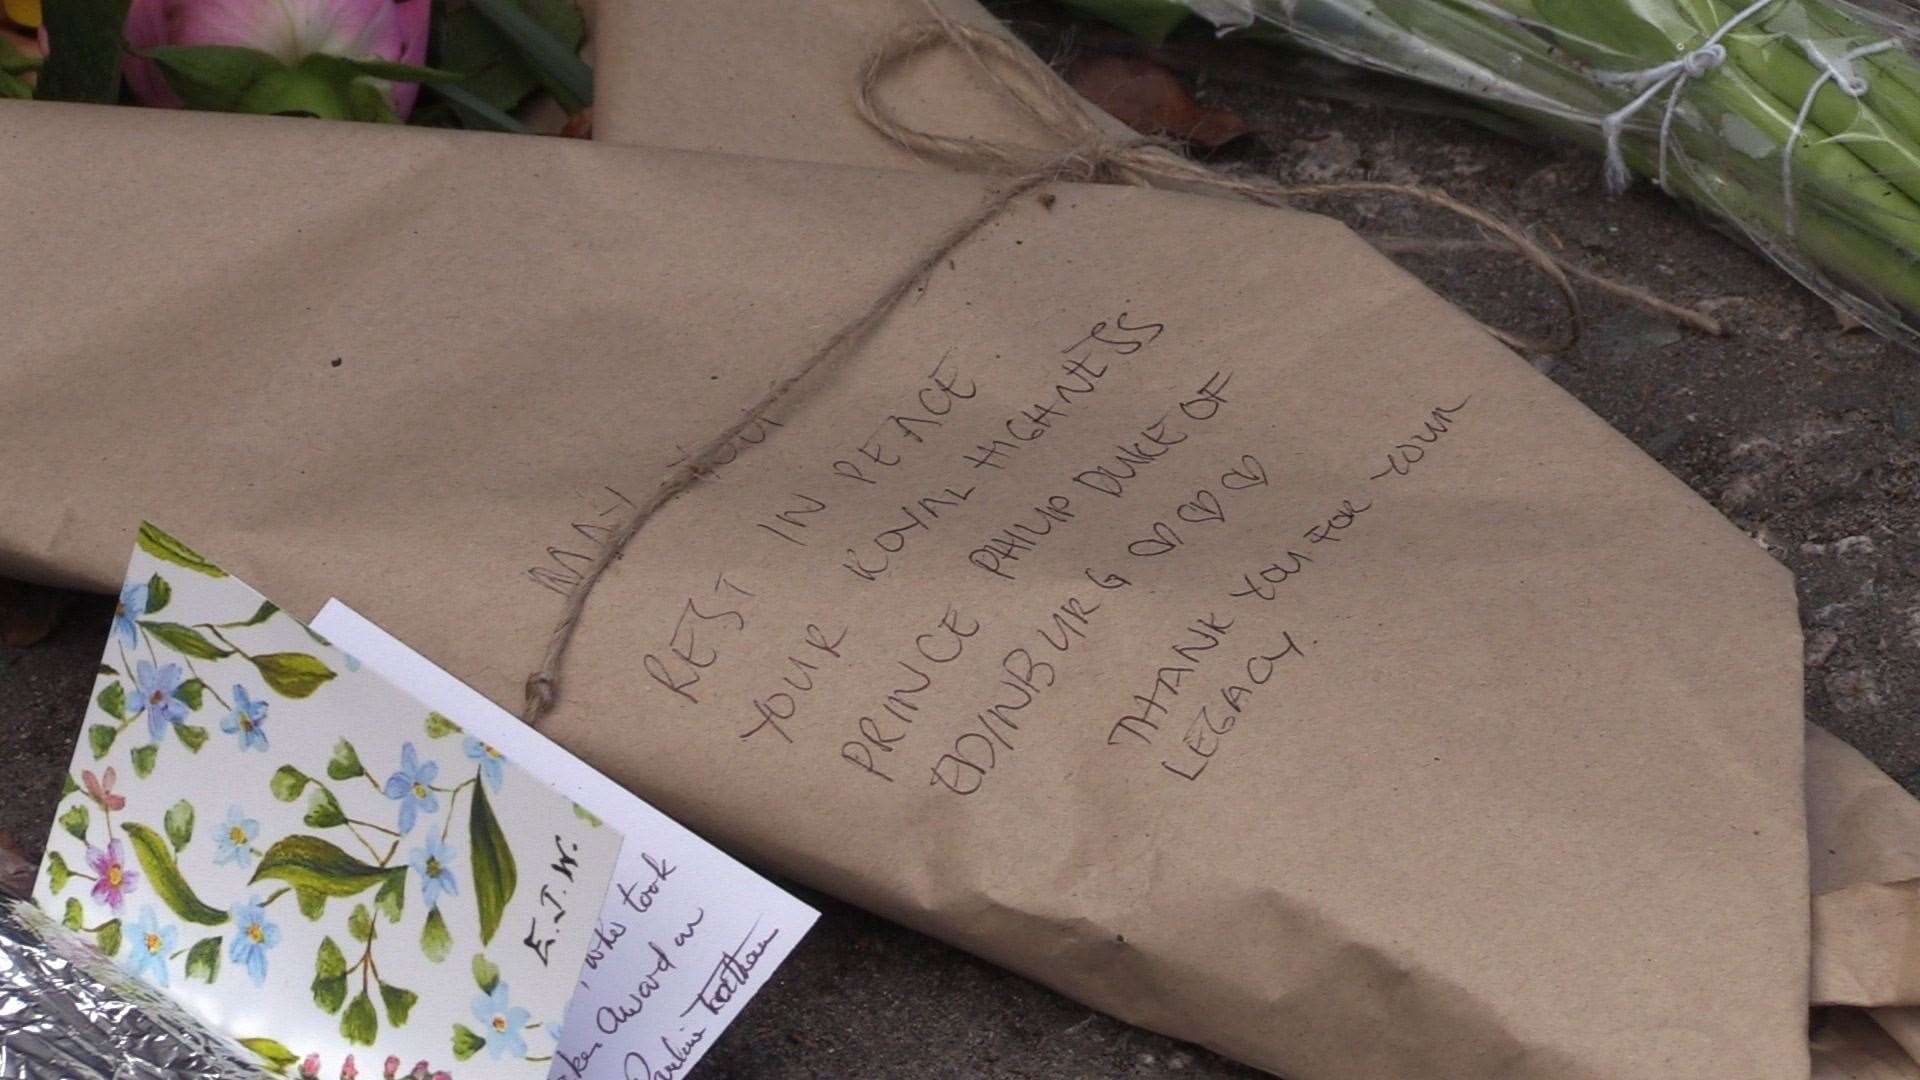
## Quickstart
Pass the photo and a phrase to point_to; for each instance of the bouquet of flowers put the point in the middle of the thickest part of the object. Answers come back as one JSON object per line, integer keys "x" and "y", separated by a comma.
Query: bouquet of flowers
{"x": 338, "y": 59}
{"x": 1797, "y": 121}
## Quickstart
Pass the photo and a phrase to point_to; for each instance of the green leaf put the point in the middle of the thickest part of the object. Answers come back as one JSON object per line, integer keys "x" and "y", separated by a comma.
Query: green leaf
{"x": 212, "y": 76}
{"x": 479, "y": 114}
{"x": 392, "y": 897}
{"x": 329, "y": 977}
{"x": 323, "y": 810}
{"x": 185, "y": 640}
{"x": 106, "y": 669}
{"x": 73, "y": 916}
{"x": 398, "y": 1002}
{"x": 486, "y": 974}
{"x": 288, "y": 782}
{"x": 163, "y": 877}
{"x": 586, "y": 815}
{"x": 345, "y": 763}
{"x": 439, "y": 727}
{"x": 296, "y": 92}
{"x": 107, "y": 936}
{"x": 203, "y": 960}
{"x": 359, "y": 1025}
{"x": 112, "y": 701}
{"x": 498, "y": 77}
{"x": 393, "y": 72}
{"x": 158, "y": 593}
{"x": 435, "y": 941}
{"x": 83, "y": 52}
{"x": 179, "y": 823}
{"x": 494, "y": 875}
{"x": 295, "y": 675}
{"x": 193, "y": 692}
{"x": 144, "y": 758}
{"x": 368, "y": 103}
{"x": 100, "y": 738}
{"x": 277, "y": 1057}
{"x": 58, "y": 874}
{"x": 75, "y": 821}
{"x": 155, "y": 542}
{"x": 546, "y": 55}
{"x": 360, "y": 924}
{"x": 67, "y": 786}
{"x": 267, "y": 610}
{"x": 308, "y": 862}
{"x": 466, "y": 1043}
{"x": 312, "y": 904}
{"x": 192, "y": 737}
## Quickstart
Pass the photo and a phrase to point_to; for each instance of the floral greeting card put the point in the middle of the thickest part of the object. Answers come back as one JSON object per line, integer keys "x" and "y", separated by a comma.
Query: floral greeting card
{"x": 340, "y": 879}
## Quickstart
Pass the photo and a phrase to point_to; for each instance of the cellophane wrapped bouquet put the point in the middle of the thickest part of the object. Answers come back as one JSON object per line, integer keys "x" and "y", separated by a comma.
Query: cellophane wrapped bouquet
{"x": 1796, "y": 121}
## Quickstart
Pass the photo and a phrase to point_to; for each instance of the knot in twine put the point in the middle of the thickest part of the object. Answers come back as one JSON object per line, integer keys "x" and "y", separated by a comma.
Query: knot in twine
{"x": 1087, "y": 154}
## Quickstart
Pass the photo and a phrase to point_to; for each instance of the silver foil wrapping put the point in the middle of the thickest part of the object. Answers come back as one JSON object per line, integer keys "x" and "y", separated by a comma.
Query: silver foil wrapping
{"x": 66, "y": 1013}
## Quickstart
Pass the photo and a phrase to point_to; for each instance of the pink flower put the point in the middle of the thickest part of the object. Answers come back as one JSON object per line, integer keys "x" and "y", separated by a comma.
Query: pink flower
{"x": 100, "y": 789}
{"x": 349, "y": 1071}
{"x": 112, "y": 879}
{"x": 394, "y": 30}
{"x": 443, "y": 1075}
{"x": 420, "y": 1070}
{"x": 310, "y": 1068}
{"x": 392, "y": 1068}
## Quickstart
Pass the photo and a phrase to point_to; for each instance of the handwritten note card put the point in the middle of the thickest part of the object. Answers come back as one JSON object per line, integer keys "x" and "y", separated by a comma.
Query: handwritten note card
{"x": 687, "y": 935}
{"x": 312, "y": 861}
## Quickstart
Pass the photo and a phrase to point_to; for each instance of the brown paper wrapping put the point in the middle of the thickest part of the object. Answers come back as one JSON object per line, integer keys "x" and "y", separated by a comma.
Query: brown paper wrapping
{"x": 1529, "y": 804}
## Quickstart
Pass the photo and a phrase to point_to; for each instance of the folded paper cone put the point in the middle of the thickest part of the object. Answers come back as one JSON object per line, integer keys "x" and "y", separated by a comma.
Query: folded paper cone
{"x": 1504, "y": 780}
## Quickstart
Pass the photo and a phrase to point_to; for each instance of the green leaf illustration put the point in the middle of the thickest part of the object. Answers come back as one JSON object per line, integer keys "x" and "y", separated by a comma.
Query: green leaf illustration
{"x": 329, "y": 977}
{"x": 113, "y": 701}
{"x": 296, "y": 675}
{"x": 345, "y": 763}
{"x": 435, "y": 941}
{"x": 58, "y": 874}
{"x": 158, "y": 593}
{"x": 203, "y": 960}
{"x": 165, "y": 548}
{"x": 398, "y": 1002}
{"x": 75, "y": 821}
{"x": 359, "y": 1025}
{"x": 276, "y": 1056}
{"x": 267, "y": 610}
{"x": 185, "y": 640}
{"x": 466, "y": 1043}
{"x": 312, "y": 904}
{"x": 179, "y": 823}
{"x": 163, "y": 876}
{"x": 193, "y": 738}
{"x": 308, "y": 862}
{"x": 106, "y": 669}
{"x": 193, "y": 692}
{"x": 107, "y": 937}
{"x": 144, "y": 758}
{"x": 100, "y": 738}
{"x": 323, "y": 810}
{"x": 288, "y": 782}
{"x": 392, "y": 897}
{"x": 360, "y": 924}
{"x": 586, "y": 815}
{"x": 72, "y": 917}
{"x": 486, "y": 974}
{"x": 494, "y": 875}
{"x": 67, "y": 786}
{"x": 439, "y": 727}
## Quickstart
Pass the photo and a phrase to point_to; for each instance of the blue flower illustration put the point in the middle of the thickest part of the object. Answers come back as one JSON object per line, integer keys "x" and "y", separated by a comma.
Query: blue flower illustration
{"x": 253, "y": 935}
{"x": 151, "y": 945}
{"x": 247, "y": 720}
{"x": 132, "y": 605}
{"x": 234, "y": 844}
{"x": 154, "y": 690}
{"x": 492, "y": 765}
{"x": 502, "y": 1025}
{"x": 412, "y": 785}
{"x": 435, "y": 864}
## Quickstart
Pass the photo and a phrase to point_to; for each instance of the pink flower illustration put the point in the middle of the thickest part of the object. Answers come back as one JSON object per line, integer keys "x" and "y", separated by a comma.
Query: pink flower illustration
{"x": 112, "y": 880}
{"x": 100, "y": 789}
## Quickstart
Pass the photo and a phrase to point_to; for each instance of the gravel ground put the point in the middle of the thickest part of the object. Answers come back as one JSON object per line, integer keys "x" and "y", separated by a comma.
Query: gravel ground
{"x": 1801, "y": 431}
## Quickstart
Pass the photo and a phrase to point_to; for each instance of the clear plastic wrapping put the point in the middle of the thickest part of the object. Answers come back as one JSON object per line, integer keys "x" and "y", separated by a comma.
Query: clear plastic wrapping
{"x": 1797, "y": 121}
{"x": 67, "y": 1014}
